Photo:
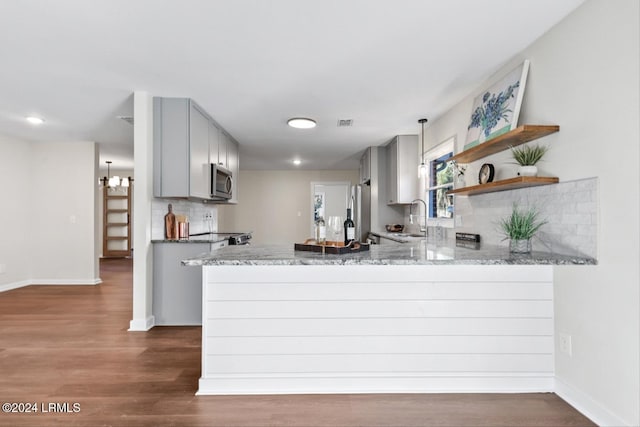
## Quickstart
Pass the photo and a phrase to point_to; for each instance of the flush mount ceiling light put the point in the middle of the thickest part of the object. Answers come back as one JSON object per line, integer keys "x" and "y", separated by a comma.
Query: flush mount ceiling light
{"x": 297, "y": 162}
{"x": 35, "y": 120}
{"x": 301, "y": 123}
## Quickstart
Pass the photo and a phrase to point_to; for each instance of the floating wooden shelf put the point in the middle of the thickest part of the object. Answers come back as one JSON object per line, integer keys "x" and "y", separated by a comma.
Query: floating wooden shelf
{"x": 117, "y": 224}
{"x": 505, "y": 184}
{"x": 117, "y": 237}
{"x": 118, "y": 210}
{"x": 117, "y": 197}
{"x": 519, "y": 135}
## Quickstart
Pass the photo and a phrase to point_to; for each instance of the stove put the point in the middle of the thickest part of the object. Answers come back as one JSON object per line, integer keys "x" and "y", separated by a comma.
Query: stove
{"x": 240, "y": 239}
{"x": 233, "y": 238}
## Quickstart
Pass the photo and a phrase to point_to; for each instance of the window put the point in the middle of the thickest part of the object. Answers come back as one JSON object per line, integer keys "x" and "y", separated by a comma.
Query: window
{"x": 438, "y": 181}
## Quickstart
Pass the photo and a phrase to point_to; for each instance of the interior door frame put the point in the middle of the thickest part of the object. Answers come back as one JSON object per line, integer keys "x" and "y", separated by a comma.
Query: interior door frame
{"x": 312, "y": 191}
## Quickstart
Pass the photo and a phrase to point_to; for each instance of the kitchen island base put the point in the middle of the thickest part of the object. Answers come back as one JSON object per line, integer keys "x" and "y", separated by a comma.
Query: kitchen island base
{"x": 287, "y": 329}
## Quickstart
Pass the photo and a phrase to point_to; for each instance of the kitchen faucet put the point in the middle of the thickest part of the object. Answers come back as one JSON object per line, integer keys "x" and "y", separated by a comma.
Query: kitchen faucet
{"x": 425, "y": 215}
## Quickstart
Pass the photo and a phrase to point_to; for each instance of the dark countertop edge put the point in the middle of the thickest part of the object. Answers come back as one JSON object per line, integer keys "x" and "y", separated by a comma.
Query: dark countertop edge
{"x": 188, "y": 241}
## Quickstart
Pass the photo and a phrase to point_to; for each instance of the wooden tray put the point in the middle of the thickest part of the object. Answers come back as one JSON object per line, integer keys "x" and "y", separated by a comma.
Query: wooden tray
{"x": 336, "y": 248}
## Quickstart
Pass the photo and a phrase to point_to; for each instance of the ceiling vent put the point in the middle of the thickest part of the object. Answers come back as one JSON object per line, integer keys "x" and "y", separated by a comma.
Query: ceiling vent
{"x": 128, "y": 119}
{"x": 345, "y": 122}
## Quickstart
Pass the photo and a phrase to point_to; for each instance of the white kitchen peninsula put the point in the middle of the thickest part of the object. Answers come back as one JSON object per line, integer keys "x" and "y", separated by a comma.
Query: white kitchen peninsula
{"x": 395, "y": 319}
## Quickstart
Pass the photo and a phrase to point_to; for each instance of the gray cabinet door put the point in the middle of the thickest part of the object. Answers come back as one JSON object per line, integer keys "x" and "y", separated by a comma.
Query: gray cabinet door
{"x": 402, "y": 183}
{"x": 214, "y": 142}
{"x": 233, "y": 164}
{"x": 392, "y": 171}
{"x": 170, "y": 147}
{"x": 199, "y": 169}
{"x": 177, "y": 289}
{"x": 223, "y": 150}
{"x": 365, "y": 166}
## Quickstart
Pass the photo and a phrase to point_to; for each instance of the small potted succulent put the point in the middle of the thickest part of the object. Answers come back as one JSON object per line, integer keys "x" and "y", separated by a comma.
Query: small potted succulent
{"x": 527, "y": 157}
{"x": 520, "y": 227}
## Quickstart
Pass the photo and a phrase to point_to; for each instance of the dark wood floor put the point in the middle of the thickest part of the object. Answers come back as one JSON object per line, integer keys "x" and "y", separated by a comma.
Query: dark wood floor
{"x": 69, "y": 344}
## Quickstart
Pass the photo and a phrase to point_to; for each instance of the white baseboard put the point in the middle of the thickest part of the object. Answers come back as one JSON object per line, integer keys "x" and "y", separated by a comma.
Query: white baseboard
{"x": 14, "y": 285}
{"x": 142, "y": 325}
{"x": 58, "y": 282}
{"x": 587, "y": 406}
{"x": 381, "y": 383}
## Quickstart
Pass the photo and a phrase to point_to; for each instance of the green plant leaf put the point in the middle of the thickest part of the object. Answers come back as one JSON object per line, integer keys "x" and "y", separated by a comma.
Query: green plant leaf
{"x": 528, "y": 155}
{"x": 521, "y": 224}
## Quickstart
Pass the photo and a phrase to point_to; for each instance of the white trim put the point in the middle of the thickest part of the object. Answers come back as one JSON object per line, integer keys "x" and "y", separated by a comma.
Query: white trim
{"x": 586, "y": 405}
{"x": 14, "y": 285}
{"x": 341, "y": 383}
{"x": 47, "y": 282}
{"x": 60, "y": 282}
{"x": 142, "y": 325}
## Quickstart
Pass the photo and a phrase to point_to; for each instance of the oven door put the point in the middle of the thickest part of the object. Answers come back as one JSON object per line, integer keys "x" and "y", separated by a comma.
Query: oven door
{"x": 221, "y": 182}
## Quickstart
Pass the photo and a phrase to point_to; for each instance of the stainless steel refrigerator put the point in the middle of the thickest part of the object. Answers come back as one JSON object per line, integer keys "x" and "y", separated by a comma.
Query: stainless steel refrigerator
{"x": 361, "y": 207}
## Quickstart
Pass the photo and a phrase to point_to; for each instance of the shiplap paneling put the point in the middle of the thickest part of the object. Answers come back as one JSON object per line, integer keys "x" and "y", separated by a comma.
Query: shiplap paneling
{"x": 436, "y": 326}
{"x": 377, "y": 329}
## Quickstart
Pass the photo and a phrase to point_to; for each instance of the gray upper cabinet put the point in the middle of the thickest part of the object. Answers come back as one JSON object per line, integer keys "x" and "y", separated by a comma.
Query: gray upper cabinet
{"x": 214, "y": 142}
{"x": 365, "y": 166}
{"x": 199, "y": 168}
{"x": 223, "y": 148}
{"x": 402, "y": 169}
{"x": 186, "y": 141}
{"x": 233, "y": 164}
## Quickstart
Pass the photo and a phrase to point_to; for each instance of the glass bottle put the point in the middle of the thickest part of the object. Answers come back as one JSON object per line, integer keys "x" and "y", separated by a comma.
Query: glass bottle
{"x": 321, "y": 231}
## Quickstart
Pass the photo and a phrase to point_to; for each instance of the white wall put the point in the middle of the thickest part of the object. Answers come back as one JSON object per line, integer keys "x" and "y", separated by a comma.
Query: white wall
{"x": 584, "y": 77}
{"x": 276, "y": 205}
{"x": 63, "y": 214}
{"x": 142, "y": 198}
{"x": 49, "y": 214}
{"x": 15, "y": 167}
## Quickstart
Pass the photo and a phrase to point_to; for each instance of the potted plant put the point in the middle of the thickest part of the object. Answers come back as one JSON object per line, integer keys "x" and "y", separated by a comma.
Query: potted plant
{"x": 520, "y": 227}
{"x": 458, "y": 173}
{"x": 527, "y": 157}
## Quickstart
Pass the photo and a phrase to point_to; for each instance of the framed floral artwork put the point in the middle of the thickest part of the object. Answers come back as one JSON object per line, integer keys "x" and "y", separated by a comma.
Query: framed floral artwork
{"x": 495, "y": 111}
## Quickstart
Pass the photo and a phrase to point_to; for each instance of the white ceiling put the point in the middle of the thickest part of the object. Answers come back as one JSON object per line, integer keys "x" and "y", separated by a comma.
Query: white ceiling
{"x": 252, "y": 64}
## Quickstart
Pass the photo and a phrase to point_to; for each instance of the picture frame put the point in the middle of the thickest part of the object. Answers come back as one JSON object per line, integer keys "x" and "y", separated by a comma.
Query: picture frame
{"x": 495, "y": 111}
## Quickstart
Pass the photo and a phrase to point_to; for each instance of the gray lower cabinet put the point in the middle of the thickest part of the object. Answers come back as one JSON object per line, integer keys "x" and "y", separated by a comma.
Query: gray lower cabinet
{"x": 177, "y": 289}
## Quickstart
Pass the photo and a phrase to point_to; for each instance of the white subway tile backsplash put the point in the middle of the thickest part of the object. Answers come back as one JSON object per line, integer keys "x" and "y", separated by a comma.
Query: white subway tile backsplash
{"x": 195, "y": 211}
{"x": 570, "y": 209}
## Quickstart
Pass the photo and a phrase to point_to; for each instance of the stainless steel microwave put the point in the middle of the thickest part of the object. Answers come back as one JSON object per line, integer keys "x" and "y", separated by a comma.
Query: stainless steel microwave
{"x": 221, "y": 182}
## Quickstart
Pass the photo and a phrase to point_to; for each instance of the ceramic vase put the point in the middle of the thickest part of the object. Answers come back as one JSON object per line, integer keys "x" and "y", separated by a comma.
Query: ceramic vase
{"x": 528, "y": 171}
{"x": 520, "y": 246}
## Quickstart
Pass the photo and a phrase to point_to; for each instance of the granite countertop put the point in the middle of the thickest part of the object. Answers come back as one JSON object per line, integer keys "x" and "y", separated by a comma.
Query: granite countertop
{"x": 413, "y": 253}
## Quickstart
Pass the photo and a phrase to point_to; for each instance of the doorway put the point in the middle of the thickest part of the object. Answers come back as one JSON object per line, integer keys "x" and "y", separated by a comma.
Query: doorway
{"x": 329, "y": 199}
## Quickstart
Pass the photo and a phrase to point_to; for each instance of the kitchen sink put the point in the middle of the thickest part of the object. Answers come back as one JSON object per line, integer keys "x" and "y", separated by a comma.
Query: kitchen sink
{"x": 408, "y": 234}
